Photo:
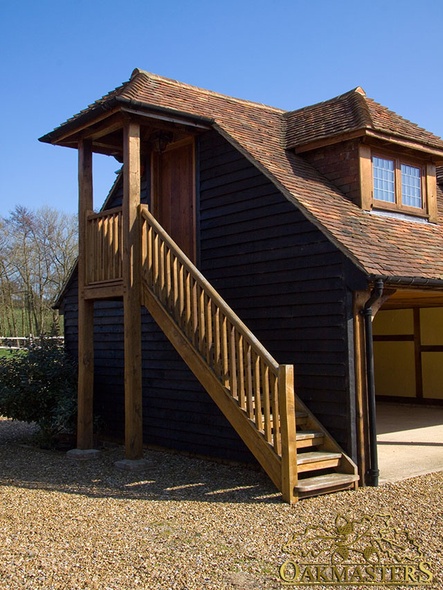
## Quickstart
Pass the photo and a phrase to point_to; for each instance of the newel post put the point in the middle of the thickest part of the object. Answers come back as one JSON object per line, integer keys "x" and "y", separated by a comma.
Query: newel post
{"x": 288, "y": 433}
{"x": 131, "y": 291}
{"x": 85, "y": 307}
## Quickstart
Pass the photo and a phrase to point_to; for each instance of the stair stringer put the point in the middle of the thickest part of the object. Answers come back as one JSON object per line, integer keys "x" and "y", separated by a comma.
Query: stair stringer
{"x": 347, "y": 465}
{"x": 245, "y": 428}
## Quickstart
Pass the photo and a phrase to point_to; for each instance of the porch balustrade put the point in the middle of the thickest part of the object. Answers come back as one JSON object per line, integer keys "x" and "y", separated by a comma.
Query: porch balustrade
{"x": 104, "y": 247}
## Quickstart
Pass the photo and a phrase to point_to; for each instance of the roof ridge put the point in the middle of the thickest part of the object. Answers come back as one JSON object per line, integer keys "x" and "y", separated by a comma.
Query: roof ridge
{"x": 150, "y": 75}
{"x": 357, "y": 90}
{"x": 363, "y": 108}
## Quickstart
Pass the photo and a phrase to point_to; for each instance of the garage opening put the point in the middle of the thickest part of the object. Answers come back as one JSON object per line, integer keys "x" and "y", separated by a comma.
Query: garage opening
{"x": 408, "y": 362}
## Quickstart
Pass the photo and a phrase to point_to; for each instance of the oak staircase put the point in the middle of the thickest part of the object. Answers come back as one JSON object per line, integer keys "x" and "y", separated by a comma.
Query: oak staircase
{"x": 253, "y": 391}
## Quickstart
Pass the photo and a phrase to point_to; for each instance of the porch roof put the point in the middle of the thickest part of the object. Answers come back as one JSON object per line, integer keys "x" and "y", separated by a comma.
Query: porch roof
{"x": 400, "y": 250}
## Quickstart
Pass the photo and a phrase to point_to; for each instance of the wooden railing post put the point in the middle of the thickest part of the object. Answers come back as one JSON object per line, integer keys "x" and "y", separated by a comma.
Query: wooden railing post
{"x": 85, "y": 307}
{"x": 288, "y": 433}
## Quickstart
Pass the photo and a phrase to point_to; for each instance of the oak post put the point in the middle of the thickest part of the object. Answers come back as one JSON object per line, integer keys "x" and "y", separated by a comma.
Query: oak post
{"x": 431, "y": 192}
{"x": 132, "y": 292}
{"x": 85, "y": 307}
{"x": 288, "y": 433}
{"x": 365, "y": 177}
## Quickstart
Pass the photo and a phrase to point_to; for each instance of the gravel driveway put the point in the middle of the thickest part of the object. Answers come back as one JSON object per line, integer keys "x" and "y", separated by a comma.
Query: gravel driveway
{"x": 182, "y": 523}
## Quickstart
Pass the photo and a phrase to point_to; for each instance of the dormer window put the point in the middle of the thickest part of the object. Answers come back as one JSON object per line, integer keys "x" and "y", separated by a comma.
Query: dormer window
{"x": 397, "y": 184}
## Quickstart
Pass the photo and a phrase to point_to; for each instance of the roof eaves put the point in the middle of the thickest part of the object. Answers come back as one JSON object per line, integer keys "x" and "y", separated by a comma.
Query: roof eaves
{"x": 151, "y": 107}
{"x": 91, "y": 114}
{"x": 58, "y": 301}
{"x": 376, "y": 133}
{"x": 405, "y": 140}
{"x": 410, "y": 282}
{"x": 79, "y": 121}
{"x": 329, "y": 140}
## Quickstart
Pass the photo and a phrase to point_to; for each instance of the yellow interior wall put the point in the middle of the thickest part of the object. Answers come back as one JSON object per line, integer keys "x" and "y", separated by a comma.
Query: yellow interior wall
{"x": 389, "y": 322}
{"x": 431, "y": 324}
{"x": 395, "y": 361}
{"x": 394, "y": 367}
{"x": 432, "y": 368}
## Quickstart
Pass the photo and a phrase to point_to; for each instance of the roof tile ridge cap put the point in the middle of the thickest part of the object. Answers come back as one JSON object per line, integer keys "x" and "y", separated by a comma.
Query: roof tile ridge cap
{"x": 363, "y": 108}
{"x": 173, "y": 82}
{"x": 338, "y": 98}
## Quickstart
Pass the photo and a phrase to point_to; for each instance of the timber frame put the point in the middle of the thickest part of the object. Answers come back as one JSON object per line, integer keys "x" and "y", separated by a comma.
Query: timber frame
{"x": 124, "y": 253}
{"x": 129, "y": 254}
{"x": 115, "y": 273}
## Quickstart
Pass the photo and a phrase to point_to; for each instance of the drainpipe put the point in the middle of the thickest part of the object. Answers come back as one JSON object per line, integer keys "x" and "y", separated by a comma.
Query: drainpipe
{"x": 373, "y": 471}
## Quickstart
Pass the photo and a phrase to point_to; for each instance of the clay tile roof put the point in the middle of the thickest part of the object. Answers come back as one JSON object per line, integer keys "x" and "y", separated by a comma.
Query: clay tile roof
{"x": 352, "y": 112}
{"x": 378, "y": 245}
{"x": 156, "y": 92}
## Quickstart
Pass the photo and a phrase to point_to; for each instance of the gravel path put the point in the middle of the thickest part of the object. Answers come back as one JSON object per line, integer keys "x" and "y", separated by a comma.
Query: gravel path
{"x": 182, "y": 523}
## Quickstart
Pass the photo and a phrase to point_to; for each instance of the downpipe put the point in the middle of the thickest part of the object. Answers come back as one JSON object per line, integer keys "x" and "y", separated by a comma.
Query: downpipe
{"x": 373, "y": 472}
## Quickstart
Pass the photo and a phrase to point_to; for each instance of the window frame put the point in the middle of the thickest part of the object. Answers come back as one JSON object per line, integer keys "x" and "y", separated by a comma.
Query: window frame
{"x": 398, "y": 204}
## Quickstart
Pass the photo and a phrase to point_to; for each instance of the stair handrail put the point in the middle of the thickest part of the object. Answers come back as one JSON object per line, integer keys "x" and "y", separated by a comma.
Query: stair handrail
{"x": 215, "y": 295}
{"x": 269, "y": 403}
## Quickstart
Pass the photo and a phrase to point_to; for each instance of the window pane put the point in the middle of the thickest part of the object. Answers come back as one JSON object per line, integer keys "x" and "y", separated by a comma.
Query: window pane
{"x": 384, "y": 179}
{"x": 411, "y": 186}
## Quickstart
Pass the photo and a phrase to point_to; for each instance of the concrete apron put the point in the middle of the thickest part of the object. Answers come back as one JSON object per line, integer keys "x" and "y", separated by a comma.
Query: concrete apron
{"x": 410, "y": 440}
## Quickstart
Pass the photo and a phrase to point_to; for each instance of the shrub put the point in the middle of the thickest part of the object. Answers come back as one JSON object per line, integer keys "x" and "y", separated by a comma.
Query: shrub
{"x": 40, "y": 386}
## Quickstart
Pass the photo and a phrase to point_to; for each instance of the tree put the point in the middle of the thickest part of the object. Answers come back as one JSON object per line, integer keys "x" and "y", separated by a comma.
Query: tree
{"x": 38, "y": 250}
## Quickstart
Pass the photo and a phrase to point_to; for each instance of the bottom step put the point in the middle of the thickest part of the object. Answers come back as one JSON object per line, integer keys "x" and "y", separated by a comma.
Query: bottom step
{"x": 324, "y": 484}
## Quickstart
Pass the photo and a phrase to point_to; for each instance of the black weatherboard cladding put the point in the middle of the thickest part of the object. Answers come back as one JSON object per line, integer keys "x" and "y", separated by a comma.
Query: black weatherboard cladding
{"x": 281, "y": 275}
{"x": 177, "y": 412}
{"x": 285, "y": 280}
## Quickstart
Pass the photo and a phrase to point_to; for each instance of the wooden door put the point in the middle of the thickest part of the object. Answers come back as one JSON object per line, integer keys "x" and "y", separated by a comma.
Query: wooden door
{"x": 173, "y": 193}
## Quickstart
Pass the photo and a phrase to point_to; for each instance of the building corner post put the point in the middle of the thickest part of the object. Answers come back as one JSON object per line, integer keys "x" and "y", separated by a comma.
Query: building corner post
{"x": 132, "y": 292}
{"x": 85, "y": 433}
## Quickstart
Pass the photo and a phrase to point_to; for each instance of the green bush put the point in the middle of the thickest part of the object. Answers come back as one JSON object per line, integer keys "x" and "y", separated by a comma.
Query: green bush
{"x": 40, "y": 386}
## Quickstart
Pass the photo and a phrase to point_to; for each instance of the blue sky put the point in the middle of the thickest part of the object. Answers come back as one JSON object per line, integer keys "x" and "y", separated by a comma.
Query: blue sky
{"x": 58, "y": 56}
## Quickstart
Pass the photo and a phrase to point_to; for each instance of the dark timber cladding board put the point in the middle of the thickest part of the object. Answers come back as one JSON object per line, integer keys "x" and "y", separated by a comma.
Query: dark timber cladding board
{"x": 178, "y": 413}
{"x": 280, "y": 274}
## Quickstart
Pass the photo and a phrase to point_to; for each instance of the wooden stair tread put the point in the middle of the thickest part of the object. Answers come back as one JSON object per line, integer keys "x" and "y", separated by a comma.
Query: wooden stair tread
{"x": 314, "y": 456}
{"x": 321, "y": 482}
{"x": 307, "y": 434}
